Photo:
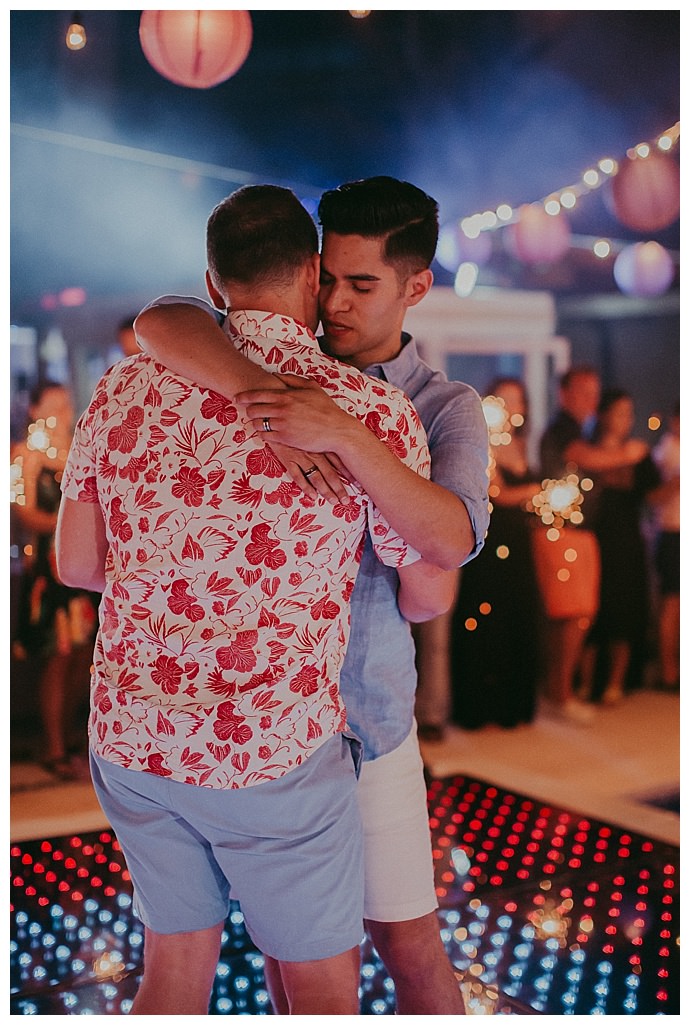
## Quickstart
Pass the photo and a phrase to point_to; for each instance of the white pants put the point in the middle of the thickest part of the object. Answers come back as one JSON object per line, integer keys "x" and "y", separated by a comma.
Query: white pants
{"x": 398, "y": 864}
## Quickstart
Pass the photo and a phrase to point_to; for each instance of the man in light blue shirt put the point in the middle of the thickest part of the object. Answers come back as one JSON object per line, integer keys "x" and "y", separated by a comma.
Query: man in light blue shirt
{"x": 379, "y": 238}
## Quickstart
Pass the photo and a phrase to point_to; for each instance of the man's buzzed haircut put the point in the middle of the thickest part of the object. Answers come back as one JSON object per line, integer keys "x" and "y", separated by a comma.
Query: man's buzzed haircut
{"x": 396, "y": 211}
{"x": 259, "y": 234}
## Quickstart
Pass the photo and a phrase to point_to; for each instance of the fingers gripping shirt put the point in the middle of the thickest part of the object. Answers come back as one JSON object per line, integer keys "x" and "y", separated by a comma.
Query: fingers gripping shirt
{"x": 225, "y": 616}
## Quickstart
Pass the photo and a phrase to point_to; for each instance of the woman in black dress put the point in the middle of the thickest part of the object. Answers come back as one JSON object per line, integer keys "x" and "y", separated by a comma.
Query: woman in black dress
{"x": 617, "y": 645}
{"x": 495, "y": 634}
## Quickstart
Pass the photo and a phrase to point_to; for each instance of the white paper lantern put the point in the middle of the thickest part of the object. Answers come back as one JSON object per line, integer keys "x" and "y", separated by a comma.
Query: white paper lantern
{"x": 644, "y": 269}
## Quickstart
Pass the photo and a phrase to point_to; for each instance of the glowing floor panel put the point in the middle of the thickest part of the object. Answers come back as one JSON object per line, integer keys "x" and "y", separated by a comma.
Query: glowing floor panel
{"x": 541, "y": 911}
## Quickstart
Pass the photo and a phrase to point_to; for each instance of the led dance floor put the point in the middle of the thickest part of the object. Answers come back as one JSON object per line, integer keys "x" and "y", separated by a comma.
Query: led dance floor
{"x": 542, "y": 911}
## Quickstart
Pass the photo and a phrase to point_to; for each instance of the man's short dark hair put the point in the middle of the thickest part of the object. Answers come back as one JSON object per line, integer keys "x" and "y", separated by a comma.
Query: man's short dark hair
{"x": 127, "y": 324}
{"x": 382, "y": 207}
{"x": 260, "y": 233}
{"x": 41, "y": 387}
{"x": 579, "y": 370}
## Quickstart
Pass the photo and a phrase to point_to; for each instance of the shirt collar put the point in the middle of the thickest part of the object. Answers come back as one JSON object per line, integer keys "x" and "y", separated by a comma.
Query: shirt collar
{"x": 397, "y": 370}
{"x": 273, "y": 327}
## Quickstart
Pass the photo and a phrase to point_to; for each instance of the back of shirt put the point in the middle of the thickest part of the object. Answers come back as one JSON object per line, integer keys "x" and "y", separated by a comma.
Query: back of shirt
{"x": 226, "y": 610}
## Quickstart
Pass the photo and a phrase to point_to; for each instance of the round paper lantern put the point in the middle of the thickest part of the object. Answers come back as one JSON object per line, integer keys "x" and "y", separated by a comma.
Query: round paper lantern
{"x": 644, "y": 269}
{"x": 198, "y": 49}
{"x": 538, "y": 237}
{"x": 645, "y": 193}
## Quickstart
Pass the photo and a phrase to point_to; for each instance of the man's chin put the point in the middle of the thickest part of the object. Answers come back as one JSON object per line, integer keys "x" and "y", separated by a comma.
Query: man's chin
{"x": 329, "y": 346}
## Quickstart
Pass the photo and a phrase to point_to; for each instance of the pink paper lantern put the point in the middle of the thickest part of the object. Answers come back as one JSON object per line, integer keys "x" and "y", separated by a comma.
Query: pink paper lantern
{"x": 538, "y": 237}
{"x": 646, "y": 192}
{"x": 198, "y": 49}
{"x": 644, "y": 269}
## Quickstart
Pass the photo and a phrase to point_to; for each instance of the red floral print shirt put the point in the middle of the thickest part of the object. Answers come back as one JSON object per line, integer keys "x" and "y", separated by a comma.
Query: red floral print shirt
{"x": 225, "y": 616}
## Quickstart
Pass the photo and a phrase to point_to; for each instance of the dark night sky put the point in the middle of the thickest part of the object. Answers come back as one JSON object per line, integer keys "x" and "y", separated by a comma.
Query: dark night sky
{"x": 476, "y": 107}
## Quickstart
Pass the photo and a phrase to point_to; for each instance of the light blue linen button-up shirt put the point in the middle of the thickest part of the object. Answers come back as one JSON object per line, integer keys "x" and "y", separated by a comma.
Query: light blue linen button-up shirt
{"x": 378, "y": 678}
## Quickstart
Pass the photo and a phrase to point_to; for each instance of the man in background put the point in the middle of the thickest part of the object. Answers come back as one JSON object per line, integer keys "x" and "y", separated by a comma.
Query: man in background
{"x": 566, "y": 449}
{"x": 126, "y": 338}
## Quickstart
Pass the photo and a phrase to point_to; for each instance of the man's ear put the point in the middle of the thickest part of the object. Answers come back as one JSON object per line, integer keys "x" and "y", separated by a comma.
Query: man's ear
{"x": 417, "y": 286}
{"x": 216, "y": 298}
{"x": 314, "y": 274}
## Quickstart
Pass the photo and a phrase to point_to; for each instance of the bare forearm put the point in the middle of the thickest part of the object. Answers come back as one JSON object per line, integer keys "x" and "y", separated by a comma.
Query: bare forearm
{"x": 188, "y": 341}
{"x": 426, "y": 591}
{"x": 594, "y": 458}
{"x": 81, "y": 545}
{"x": 430, "y": 518}
{"x": 94, "y": 581}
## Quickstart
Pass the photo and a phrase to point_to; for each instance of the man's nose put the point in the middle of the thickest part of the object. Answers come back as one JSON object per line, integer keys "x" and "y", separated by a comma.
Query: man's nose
{"x": 334, "y": 298}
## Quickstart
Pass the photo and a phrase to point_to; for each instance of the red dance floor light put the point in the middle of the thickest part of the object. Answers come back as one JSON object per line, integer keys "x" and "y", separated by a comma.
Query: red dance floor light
{"x": 541, "y": 910}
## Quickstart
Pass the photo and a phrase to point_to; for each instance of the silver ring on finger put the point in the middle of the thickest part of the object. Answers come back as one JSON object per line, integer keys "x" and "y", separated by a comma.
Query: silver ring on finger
{"x": 267, "y": 424}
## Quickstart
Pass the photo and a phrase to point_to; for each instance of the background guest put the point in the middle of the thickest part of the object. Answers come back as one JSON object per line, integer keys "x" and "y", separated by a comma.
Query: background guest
{"x": 565, "y": 448}
{"x": 56, "y": 625}
{"x": 126, "y": 338}
{"x": 495, "y": 633}
{"x": 666, "y": 504}
{"x": 618, "y": 640}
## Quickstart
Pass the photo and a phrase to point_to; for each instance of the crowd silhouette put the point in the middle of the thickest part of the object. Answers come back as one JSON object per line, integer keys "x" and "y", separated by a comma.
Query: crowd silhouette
{"x": 573, "y": 603}
{"x": 519, "y": 641}
{"x": 54, "y": 626}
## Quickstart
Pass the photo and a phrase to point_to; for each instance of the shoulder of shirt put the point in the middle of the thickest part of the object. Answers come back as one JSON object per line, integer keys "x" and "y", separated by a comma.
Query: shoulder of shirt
{"x": 376, "y": 388}
{"x": 421, "y": 371}
{"x": 374, "y": 383}
{"x": 186, "y": 300}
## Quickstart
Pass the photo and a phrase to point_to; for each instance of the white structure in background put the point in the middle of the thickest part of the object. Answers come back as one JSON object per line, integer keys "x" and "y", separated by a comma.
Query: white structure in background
{"x": 494, "y": 322}
{"x": 23, "y": 363}
{"x": 54, "y": 354}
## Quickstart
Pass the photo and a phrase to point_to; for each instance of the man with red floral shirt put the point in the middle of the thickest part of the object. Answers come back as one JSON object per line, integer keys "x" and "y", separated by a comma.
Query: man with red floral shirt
{"x": 217, "y": 732}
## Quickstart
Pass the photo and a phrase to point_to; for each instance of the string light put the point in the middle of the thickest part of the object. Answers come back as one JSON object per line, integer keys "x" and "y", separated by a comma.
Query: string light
{"x": 465, "y": 279}
{"x": 76, "y": 33}
{"x": 568, "y": 196}
{"x": 602, "y": 248}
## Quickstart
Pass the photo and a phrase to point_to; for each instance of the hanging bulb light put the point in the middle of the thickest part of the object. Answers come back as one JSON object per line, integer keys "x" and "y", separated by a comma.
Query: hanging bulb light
{"x": 76, "y": 33}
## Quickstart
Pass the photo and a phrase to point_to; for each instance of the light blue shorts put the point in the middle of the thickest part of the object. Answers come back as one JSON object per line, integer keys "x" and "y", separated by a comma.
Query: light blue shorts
{"x": 290, "y": 851}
